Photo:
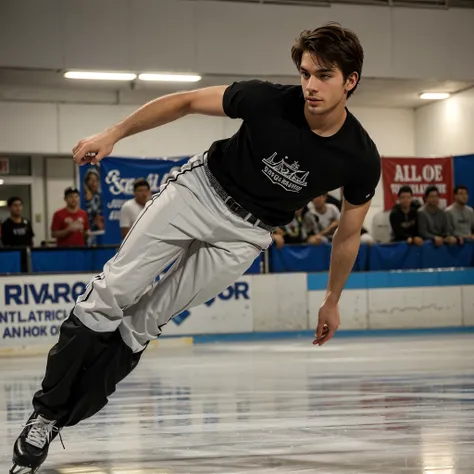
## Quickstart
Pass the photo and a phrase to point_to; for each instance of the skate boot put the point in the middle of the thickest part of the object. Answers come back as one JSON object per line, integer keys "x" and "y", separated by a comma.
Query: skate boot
{"x": 31, "y": 447}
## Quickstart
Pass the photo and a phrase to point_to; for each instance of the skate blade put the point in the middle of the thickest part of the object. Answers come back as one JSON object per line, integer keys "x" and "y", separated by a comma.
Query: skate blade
{"x": 23, "y": 470}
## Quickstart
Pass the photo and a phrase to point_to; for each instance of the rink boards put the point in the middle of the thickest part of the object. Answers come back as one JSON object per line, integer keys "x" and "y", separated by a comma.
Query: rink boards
{"x": 32, "y": 308}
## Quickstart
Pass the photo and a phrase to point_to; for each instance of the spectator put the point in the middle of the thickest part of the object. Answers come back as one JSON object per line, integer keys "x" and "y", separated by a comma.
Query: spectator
{"x": 461, "y": 215}
{"x": 300, "y": 230}
{"x": 433, "y": 223}
{"x": 92, "y": 199}
{"x": 70, "y": 225}
{"x": 404, "y": 218}
{"x": 327, "y": 216}
{"x": 132, "y": 208}
{"x": 16, "y": 230}
{"x": 365, "y": 237}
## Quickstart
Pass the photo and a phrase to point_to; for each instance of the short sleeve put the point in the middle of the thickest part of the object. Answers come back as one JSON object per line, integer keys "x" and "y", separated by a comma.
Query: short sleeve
{"x": 244, "y": 99}
{"x": 336, "y": 213}
{"x": 86, "y": 221}
{"x": 30, "y": 230}
{"x": 125, "y": 218}
{"x": 56, "y": 224}
{"x": 361, "y": 189}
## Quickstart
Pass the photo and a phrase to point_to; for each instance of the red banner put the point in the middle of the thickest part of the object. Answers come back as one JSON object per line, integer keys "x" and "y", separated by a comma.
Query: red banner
{"x": 418, "y": 173}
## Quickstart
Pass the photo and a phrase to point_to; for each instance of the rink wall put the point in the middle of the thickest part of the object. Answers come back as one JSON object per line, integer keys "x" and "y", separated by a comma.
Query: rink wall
{"x": 33, "y": 307}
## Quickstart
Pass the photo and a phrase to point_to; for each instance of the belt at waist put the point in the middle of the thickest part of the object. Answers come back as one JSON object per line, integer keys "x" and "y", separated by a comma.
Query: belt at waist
{"x": 233, "y": 205}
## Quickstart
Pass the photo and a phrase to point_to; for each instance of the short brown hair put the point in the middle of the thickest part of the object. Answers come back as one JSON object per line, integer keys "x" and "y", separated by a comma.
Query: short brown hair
{"x": 333, "y": 45}
{"x": 139, "y": 182}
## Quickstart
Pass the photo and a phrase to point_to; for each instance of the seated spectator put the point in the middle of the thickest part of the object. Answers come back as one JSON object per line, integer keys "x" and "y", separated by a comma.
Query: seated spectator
{"x": 132, "y": 208}
{"x": 365, "y": 237}
{"x": 327, "y": 216}
{"x": 461, "y": 215}
{"x": 70, "y": 225}
{"x": 16, "y": 230}
{"x": 433, "y": 223}
{"x": 302, "y": 229}
{"x": 404, "y": 218}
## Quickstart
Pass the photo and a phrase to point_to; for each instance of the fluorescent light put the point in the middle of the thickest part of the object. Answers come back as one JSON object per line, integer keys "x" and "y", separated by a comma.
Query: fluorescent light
{"x": 100, "y": 76}
{"x": 169, "y": 77}
{"x": 434, "y": 95}
{"x": 1, "y": 181}
{"x": 3, "y": 203}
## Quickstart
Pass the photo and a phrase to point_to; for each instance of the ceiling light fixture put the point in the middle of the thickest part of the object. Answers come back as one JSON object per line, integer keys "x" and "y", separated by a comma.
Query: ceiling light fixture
{"x": 434, "y": 95}
{"x": 1, "y": 181}
{"x": 100, "y": 76}
{"x": 159, "y": 77}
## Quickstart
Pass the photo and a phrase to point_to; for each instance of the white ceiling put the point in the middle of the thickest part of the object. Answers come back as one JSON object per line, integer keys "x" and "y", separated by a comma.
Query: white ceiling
{"x": 51, "y": 86}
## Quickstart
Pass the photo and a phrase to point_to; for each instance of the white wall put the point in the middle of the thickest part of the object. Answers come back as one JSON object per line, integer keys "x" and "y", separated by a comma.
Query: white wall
{"x": 55, "y": 128}
{"x": 393, "y": 131}
{"x": 226, "y": 38}
{"x": 446, "y": 127}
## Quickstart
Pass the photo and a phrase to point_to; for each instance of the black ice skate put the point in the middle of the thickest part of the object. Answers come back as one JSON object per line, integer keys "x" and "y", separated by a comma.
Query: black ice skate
{"x": 31, "y": 447}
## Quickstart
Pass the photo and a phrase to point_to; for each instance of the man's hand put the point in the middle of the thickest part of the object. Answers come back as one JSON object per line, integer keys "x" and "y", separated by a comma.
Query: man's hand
{"x": 315, "y": 239}
{"x": 418, "y": 241}
{"x": 438, "y": 241}
{"x": 94, "y": 148}
{"x": 279, "y": 240}
{"x": 451, "y": 240}
{"x": 328, "y": 322}
{"x": 75, "y": 226}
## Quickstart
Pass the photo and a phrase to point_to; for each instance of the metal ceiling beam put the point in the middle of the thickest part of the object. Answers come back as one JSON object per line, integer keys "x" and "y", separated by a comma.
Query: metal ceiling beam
{"x": 444, "y": 4}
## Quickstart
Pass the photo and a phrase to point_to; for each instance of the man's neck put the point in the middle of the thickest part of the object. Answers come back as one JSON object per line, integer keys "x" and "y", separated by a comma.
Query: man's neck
{"x": 406, "y": 210}
{"x": 322, "y": 209}
{"x": 328, "y": 124}
{"x": 432, "y": 209}
{"x": 16, "y": 219}
{"x": 72, "y": 210}
{"x": 459, "y": 206}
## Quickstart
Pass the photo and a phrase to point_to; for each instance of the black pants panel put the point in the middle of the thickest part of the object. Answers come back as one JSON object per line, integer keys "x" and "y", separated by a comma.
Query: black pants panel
{"x": 82, "y": 370}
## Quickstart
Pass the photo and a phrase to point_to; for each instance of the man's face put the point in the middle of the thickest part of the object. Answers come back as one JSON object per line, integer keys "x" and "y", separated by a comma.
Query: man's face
{"x": 405, "y": 200}
{"x": 433, "y": 199}
{"x": 324, "y": 89}
{"x": 142, "y": 194}
{"x": 93, "y": 183}
{"x": 72, "y": 200}
{"x": 319, "y": 202}
{"x": 16, "y": 209}
{"x": 462, "y": 196}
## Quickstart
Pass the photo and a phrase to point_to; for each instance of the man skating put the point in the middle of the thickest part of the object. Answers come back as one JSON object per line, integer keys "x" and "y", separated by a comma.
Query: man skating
{"x": 211, "y": 220}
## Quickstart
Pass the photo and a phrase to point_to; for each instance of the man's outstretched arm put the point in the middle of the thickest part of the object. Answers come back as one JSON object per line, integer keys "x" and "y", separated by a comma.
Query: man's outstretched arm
{"x": 345, "y": 246}
{"x": 166, "y": 109}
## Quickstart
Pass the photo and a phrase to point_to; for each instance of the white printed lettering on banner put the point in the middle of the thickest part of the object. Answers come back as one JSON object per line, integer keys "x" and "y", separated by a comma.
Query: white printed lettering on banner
{"x": 119, "y": 185}
{"x": 408, "y": 173}
{"x": 32, "y": 308}
{"x": 124, "y": 186}
{"x": 229, "y": 312}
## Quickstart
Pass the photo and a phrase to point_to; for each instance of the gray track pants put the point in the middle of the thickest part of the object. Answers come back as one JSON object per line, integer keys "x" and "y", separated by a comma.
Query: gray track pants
{"x": 188, "y": 223}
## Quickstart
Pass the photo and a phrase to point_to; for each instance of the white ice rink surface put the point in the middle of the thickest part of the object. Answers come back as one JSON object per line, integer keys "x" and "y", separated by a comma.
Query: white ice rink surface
{"x": 398, "y": 405}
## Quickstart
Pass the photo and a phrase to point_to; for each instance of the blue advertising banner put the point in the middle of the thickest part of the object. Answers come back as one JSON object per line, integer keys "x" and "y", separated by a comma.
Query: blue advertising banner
{"x": 463, "y": 167}
{"x": 107, "y": 186}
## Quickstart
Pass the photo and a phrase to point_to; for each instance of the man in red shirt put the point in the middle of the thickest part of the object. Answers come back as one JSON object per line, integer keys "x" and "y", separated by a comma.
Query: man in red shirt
{"x": 70, "y": 225}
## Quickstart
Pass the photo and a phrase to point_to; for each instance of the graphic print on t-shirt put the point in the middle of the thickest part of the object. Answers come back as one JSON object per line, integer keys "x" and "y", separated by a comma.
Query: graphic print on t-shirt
{"x": 288, "y": 176}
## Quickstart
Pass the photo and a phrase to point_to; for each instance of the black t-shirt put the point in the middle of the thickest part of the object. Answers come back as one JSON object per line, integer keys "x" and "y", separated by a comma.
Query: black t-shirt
{"x": 17, "y": 235}
{"x": 275, "y": 164}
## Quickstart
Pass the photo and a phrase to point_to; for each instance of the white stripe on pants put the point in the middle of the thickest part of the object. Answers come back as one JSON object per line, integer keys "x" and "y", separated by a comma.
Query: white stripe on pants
{"x": 186, "y": 223}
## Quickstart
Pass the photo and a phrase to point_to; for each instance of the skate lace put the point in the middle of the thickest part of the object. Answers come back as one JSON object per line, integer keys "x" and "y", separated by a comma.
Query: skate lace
{"x": 41, "y": 432}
